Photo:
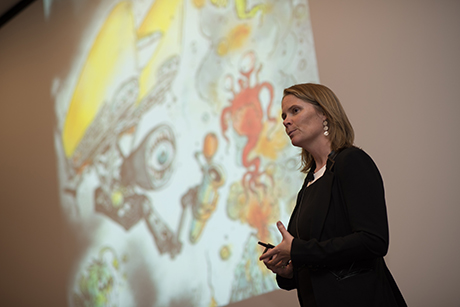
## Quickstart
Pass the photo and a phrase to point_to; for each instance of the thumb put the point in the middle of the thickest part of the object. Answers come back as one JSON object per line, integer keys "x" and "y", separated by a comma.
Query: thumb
{"x": 282, "y": 229}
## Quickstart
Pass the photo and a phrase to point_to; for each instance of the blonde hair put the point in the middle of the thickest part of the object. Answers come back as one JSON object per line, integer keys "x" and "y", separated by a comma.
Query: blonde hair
{"x": 341, "y": 132}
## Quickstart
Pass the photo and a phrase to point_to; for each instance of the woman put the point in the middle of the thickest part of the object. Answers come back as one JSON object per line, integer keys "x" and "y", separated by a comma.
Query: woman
{"x": 332, "y": 251}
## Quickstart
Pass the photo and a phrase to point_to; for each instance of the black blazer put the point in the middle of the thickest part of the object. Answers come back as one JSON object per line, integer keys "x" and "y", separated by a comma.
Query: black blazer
{"x": 341, "y": 250}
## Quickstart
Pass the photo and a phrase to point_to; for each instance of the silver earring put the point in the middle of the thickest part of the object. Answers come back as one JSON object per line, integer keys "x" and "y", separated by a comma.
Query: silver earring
{"x": 325, "y": 128}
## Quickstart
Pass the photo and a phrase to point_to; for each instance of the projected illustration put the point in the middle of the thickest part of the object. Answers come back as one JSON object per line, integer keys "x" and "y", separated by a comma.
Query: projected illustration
{"x": 202, "y": 199}
{"x": 172, "y": 158}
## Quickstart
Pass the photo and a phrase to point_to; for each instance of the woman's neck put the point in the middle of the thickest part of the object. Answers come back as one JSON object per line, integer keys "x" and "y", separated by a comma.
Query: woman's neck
{"x": 320, "y": 155}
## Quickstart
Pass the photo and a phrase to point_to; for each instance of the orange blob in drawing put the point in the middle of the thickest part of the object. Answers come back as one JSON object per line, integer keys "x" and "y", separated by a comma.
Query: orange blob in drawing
{"x": 258, "y": 209}
{"x": 210, "y": 146}
{"x": 258, "y": 217}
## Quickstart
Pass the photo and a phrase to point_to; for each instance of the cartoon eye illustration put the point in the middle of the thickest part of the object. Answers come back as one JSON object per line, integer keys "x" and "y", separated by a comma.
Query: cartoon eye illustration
{"x": 150, "y": 165}
{"x": 160, "y": 151}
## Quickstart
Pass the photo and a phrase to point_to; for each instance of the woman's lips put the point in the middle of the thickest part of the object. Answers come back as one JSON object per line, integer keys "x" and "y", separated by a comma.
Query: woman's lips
{"x": 291, "y": 132}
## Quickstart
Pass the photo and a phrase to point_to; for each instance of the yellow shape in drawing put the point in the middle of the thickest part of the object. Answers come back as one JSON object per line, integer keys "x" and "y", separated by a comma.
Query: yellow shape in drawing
{"x": 198, "y": 3}
{"x": 112, "y": 54}
{"x": 245, "y": 14}
{"x": 219, "y": 3}
{"x": 271, "y": 142}
{"x": 239, "y": 35}
{"x": 165, "y": 18}
{"x": 159, "y": 18}
{"x": 235, "y": 39}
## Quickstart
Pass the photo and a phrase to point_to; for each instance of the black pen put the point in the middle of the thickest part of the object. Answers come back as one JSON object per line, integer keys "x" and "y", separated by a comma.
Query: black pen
{"x": 266, "y": 245}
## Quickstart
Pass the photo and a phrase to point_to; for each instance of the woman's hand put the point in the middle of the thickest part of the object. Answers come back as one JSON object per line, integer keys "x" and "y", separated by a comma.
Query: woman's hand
{"x": 285, "y": 271}
{"x": 278, "y": 259}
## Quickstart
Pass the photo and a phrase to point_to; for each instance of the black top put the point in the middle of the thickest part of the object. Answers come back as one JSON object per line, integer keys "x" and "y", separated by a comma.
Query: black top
{"x": 303, "y": 214}
{"x": 340, "y": 231}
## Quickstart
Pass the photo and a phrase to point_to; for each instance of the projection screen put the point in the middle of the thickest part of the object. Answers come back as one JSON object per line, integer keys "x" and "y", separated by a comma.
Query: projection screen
{"x": 172, "y": 159}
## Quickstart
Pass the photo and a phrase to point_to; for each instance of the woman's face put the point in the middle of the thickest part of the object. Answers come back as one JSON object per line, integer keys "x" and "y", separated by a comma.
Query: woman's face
{"x": 303, "y": 122}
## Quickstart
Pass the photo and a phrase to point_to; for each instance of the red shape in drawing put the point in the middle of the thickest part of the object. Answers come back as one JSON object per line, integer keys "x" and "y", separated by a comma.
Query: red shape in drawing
{"x": 247, "y": 116}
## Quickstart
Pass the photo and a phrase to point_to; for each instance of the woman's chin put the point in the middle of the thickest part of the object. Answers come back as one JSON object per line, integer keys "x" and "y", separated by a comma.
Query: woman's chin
{"x": 294, "y": 143}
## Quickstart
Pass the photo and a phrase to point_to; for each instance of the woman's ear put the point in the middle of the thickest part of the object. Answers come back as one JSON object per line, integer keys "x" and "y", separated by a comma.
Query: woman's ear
{"x": 323, "y": 116}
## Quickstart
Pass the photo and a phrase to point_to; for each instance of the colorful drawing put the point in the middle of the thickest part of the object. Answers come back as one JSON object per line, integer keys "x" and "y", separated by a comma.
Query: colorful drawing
{"x": 170, "y": 146}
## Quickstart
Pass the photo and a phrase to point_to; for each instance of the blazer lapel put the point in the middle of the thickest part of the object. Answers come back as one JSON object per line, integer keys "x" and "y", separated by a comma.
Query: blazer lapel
{"x": 297, "y": 204}
{"x": 323, "y": 201}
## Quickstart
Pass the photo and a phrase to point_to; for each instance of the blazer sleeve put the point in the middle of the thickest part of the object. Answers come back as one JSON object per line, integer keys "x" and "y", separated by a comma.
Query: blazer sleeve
{"x": 285, "y": 283}
{"x": 363, "y": 194}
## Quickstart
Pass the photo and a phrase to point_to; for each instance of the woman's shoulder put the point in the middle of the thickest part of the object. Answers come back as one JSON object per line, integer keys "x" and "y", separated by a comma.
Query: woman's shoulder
{"x": 353, "y": 157}
{"x": 351, "y": 152}
{"x": 353, "y": 166}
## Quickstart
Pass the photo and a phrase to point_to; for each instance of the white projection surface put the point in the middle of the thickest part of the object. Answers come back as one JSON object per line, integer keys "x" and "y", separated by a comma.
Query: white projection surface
{"x": 172, "y": 158}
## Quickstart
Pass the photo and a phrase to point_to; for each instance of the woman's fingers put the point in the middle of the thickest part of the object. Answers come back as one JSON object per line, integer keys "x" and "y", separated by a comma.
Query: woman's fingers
{"x": 268, "y": 254}
{"x": 283, "y": 270}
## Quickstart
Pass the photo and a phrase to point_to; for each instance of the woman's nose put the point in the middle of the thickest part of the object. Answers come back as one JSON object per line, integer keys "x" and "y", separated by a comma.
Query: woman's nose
{"x": 286, "y": 122}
